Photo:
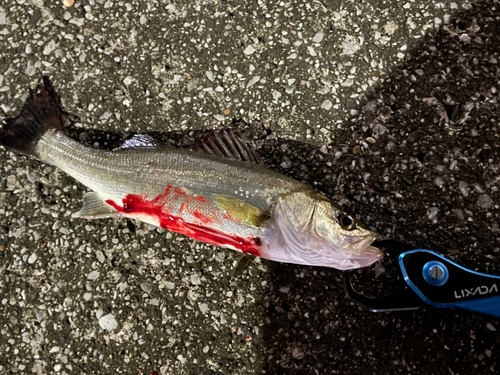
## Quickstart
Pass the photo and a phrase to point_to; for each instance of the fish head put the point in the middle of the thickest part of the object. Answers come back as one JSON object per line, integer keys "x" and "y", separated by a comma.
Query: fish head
{"x": 314, "y": 231}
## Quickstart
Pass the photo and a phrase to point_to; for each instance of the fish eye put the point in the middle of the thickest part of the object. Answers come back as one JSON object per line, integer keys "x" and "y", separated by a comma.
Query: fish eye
{"x": 346, "y": 221}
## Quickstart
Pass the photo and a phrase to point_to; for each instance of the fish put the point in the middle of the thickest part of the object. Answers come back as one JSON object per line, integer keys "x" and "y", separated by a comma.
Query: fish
{"x": 221, "y": 194}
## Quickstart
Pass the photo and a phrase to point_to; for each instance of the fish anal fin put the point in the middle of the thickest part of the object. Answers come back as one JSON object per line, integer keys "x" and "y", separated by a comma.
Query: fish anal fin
{"x": 94, "y": 207}
{"x": 239, "y": 209}
{"x": 228, "y": 144}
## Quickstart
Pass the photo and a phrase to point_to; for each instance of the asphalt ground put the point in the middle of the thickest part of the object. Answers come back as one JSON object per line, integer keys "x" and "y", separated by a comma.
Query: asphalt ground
{"x": 389, "y": 108}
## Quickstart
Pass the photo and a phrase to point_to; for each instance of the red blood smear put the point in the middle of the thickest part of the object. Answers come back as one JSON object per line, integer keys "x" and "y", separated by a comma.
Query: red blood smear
{"x": 177, "y": 190}
{"x": 138, "y": 204}
{"x": 184, "y": 206}
{"x": 205, "y": 219}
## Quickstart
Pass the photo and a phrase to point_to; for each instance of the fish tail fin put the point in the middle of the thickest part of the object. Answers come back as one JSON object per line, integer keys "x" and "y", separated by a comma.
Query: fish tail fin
{"x": 42, "y": 111}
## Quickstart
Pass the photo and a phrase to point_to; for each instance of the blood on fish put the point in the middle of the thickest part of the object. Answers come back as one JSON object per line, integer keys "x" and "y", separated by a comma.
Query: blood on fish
{"x": 183, "y": 207}
{"x": 204, "y": 218}
{"x": 138, "y": 204}
{"x": 178, "y": 191}
{"x": 127, "y": 208}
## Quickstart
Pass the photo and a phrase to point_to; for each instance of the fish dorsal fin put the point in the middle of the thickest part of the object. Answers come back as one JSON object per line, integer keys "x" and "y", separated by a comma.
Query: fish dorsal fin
{"x": 226, "y": 143}
{"x": 140, "y": 141}
{"x": 95, "y": 208}
{"x": 239, "y": 209}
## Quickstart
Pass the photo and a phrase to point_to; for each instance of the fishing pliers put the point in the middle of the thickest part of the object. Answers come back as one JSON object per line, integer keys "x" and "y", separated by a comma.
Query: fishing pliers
{"x": 429, "y": 279}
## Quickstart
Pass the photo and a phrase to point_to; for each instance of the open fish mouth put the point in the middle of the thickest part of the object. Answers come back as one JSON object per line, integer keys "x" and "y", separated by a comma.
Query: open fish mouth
{"x": 362, "y": 247}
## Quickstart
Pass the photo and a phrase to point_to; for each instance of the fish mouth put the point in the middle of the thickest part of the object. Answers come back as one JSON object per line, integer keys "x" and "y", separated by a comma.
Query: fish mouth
{"x": 362, "y": 247}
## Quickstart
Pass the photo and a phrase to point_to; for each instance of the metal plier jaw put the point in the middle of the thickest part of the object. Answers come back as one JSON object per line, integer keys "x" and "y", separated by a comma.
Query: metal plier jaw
{"x": 429, "y": 279}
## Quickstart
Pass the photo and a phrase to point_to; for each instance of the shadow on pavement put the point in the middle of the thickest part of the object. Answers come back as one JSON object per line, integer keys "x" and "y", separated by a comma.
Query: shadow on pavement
{"x": 431, "y": 178}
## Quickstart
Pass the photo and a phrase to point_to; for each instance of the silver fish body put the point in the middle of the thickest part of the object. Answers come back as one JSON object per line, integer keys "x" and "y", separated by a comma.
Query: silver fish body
{"x": 182, "y": 182}
{"x": 230, "y": 203}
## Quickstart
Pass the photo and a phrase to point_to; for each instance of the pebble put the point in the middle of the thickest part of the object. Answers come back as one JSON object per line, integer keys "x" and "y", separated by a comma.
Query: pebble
{"x": 99, "y": 313}
{"x": 318, "y": 37}
{"x": 297, "y": 353}
{"x": 128, "y": 80}
{"x": 49, "y": 47}
{"x": 249, "y": 50}
{"x": 68, "y": 3}
{"x": 371, "y": 140}
{"x": 327, "y": 104}
{"x": 93, "y": 275}
{"x": 348, "y": 48}
{"x": 356, "y": 150}
{"x": 464, "y": 188}
{"x": 439, "y": 181}
{"x": 490, "y": 327}
{"x": 147, "y": 287}
{"x": 100, "y": 256}
{"x": 192, "y": 295}
{"x": 253, "y": 81}
{"x": 108, "y": 322}
{"x": 203, "y": 308}
{"x": 433, "y": 214}
{"x": 485, "y": 201}
{"x": 32, "y": 259}
{"x": 464, "y": 38}
{"x": 195, "y": 280}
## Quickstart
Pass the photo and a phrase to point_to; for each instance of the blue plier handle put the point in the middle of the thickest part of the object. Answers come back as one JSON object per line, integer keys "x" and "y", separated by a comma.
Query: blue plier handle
{"x": 432, "y": 280}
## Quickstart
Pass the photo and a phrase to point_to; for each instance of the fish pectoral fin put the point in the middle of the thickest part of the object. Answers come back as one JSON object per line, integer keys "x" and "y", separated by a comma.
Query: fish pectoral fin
{"x": 242, "y": 265}
{"x": 94, "y": 207}
{"x": 239, "y": 209}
